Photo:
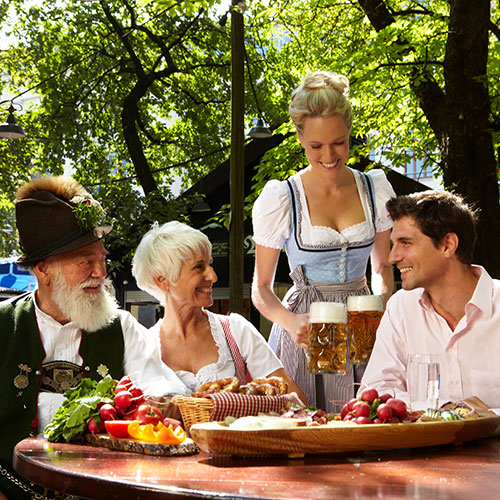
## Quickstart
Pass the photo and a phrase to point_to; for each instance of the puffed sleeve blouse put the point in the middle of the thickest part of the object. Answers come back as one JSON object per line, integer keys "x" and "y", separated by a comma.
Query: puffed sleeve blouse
{"x": 271, "y": 214}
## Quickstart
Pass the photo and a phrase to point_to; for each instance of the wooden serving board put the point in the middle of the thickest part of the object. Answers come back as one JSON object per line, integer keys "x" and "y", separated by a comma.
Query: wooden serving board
{"x": 298, "y": 441}
{"x": 188, "y": 447}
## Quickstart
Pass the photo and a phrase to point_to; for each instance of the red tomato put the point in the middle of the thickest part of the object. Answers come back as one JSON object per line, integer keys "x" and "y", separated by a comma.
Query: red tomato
{"x": 148, "y": 414}
{"x": 117, "y": 428}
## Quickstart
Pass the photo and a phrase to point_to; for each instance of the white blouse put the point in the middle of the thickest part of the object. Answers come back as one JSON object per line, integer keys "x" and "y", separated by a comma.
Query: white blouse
{"x": 271, "y": 214}
{"x": 259, "y": 357}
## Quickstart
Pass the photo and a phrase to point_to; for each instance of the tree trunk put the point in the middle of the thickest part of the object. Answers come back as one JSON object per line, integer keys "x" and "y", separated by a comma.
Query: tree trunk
{"x": 130, "y": 118}
{"x": 459, "y": 114}
{"x": 468, "y": 157}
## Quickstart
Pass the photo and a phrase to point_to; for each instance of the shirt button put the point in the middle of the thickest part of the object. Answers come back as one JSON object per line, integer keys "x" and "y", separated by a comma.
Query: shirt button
{"x": 341, "y": 266}
{"x": 38, "y": 372}
{"x": 87, "y": 368}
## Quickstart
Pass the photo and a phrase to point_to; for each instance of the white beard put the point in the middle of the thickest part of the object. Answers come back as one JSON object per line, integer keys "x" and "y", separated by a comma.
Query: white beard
{"x": 89, "y": 311}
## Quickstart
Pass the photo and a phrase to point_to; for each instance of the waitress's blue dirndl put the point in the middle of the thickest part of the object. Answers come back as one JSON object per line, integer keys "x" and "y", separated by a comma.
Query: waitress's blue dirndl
{"x": 321, "y": 273}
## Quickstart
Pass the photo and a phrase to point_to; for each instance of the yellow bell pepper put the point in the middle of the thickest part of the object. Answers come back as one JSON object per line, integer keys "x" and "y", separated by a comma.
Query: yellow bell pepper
{"x": 158, "y": 433}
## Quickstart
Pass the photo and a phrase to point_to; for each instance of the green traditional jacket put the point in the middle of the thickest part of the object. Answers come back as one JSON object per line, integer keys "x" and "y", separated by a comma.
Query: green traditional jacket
{"x": 21, "y": 345}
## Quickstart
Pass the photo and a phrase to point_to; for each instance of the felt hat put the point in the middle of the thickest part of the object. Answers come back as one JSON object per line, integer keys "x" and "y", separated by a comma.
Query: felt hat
{"x": 54, "y": 215}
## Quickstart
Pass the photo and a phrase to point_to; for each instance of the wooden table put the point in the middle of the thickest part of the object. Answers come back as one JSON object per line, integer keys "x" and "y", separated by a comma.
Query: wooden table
{"x": 470, "y": 471}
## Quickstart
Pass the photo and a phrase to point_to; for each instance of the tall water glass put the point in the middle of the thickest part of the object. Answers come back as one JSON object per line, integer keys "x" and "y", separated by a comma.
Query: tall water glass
{"x": 423, "y": 381}
{"x": 364, "y": 313}
{"x": 327, "y": 350}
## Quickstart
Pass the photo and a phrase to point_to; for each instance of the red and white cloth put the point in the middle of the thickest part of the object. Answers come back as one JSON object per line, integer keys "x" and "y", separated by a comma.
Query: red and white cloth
{"x": 230, "y": 404}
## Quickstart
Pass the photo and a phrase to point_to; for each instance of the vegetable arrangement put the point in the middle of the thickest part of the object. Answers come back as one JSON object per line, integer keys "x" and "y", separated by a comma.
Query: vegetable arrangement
{"x": 80, "y": 409}
{"x": 370, "y": 408}
{"x": 115, "y": 406}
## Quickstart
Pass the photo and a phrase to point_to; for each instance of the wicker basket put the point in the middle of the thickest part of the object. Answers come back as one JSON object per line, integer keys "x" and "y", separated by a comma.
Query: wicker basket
{"x": 193, "y": 410}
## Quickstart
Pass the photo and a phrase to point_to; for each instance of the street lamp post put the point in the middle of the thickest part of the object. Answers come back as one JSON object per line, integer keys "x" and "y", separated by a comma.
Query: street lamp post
{"x": 237, "y": 163}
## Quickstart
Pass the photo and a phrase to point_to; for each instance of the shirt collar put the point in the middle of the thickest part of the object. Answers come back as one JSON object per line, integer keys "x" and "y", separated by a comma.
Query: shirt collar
{"x": 481, "y": 298}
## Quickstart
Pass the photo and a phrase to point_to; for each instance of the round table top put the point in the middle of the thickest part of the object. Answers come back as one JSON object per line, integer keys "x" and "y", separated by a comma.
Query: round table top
{"x": 468, "y": 471}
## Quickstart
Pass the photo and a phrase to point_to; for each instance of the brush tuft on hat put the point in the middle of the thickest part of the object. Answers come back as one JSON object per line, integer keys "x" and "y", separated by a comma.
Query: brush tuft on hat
{"x": 63, "y": 187}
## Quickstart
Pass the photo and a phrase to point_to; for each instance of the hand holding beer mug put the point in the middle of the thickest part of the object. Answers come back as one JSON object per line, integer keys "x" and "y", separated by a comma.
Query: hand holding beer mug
{"x": 327, "y": 349}
{"x": 364, "y": 313}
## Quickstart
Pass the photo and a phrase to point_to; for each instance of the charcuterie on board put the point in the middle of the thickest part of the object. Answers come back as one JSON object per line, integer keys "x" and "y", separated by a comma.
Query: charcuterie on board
{"x": 294, "y": 437}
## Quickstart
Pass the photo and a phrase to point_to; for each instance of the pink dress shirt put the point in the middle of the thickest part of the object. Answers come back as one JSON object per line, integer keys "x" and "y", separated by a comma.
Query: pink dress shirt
{"x": 469, "y": 356}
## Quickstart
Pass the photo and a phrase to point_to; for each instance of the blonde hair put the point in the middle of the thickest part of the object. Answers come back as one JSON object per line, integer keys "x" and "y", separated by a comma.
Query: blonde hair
{"x": 321, "y": 93}
{"x": 162, "y": 252}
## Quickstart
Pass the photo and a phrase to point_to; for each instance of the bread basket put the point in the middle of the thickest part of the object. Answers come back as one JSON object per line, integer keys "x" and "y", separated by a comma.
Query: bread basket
{"x": 193, "y": 410}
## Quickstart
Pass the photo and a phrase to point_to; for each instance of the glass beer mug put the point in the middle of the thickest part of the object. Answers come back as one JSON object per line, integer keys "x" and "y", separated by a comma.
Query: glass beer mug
{"x": 364, "y": 313}
{"x": 327, "y": 350}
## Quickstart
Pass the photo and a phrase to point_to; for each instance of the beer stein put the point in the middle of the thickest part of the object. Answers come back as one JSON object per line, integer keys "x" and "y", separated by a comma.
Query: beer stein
{"x": 364, "y": 313}
{"x": 327, "y": 350}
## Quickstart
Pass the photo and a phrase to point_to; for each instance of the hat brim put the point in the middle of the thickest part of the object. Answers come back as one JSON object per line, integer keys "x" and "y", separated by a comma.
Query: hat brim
{"x": 80, "y": 241}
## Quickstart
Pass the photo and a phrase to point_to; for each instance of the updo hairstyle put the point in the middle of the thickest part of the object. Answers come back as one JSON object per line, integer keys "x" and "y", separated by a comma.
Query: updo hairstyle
{"x": 320, "y": 94}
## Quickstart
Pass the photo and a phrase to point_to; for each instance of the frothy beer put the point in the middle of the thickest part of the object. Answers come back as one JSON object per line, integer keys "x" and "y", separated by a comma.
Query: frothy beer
{"x": 364, "y": 313}
{"x": 327, "y": 349}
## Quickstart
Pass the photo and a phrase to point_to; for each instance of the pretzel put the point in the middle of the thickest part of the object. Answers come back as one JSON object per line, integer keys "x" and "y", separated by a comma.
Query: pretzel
{"x": 278, "y": 383}
{"x": 230, "y": 384}
{"x": 250, "y": 388}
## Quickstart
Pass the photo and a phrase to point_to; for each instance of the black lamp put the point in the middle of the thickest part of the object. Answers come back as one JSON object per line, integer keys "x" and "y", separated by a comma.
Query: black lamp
{"x": 10, "y": 129}
{"x": 260, "y": 130}
{"x": 200, "y": 206}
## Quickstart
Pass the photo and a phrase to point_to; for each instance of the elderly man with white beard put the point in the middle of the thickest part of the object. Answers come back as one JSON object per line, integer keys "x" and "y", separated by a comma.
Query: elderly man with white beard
{"x": 70, "y": 325}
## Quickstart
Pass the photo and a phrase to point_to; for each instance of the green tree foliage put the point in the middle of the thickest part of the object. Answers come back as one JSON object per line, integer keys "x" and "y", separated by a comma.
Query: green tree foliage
{"x": 425, "y": 78}
{"x": 135, "y": 94}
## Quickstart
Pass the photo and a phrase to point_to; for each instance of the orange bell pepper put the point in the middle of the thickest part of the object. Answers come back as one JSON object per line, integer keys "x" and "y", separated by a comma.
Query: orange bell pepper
{"x": 158, "y": 433}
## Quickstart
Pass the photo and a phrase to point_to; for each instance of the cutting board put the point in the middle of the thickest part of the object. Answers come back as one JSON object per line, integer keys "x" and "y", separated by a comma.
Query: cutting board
{"x": 188, "y": 447}
{"x": 298, "y": 441}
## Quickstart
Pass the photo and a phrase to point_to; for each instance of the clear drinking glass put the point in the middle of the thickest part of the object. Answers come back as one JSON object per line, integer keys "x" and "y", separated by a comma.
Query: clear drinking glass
{"x": 364, "y": 313}
{"x": 327, "y": 350}
{"x": 423, "y": 381}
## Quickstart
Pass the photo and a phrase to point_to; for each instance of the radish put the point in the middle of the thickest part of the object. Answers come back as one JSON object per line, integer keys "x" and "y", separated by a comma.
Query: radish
{"x": 384, "y": 411}
{"x": 107, "y": 412}
{"x": 361, "y": 409}
{"x": 351, "y": 403}
{"x": 344, "y": 411}
{"x": 95, "y": 425}
{"x": 362, "y": 420}
{"x": 123, "y": 399}
{"x": 385, "y": 397}
{"x": 369, "y": 395}
{"x": 398, "y": 408}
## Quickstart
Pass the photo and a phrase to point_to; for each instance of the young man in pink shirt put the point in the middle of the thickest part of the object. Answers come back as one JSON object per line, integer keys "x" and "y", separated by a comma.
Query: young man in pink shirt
{"x": 447, "y": 306}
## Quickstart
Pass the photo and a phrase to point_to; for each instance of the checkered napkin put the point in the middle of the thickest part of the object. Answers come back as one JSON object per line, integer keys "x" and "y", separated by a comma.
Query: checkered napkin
{"x": 241, "y": 405}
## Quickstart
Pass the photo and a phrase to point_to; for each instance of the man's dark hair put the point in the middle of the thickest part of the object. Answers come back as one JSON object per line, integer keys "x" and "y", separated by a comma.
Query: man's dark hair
{"x": 438, "y": 213}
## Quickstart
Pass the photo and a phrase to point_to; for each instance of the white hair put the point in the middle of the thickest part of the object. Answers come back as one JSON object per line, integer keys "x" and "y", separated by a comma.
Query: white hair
{"x": 162, "y": 252}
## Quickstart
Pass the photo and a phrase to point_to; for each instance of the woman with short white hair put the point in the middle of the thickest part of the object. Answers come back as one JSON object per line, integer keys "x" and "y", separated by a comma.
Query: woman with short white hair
{"x": 173, "y": 263}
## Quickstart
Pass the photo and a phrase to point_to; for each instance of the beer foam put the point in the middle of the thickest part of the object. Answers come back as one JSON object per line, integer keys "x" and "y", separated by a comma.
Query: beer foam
{"x": 365, "y": 303}
{"x": 327, "y": 312}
